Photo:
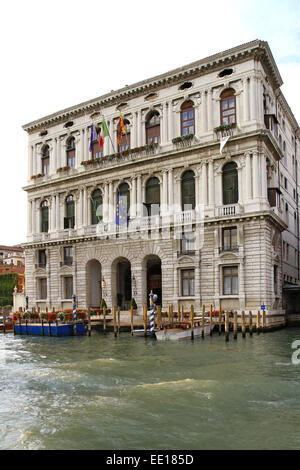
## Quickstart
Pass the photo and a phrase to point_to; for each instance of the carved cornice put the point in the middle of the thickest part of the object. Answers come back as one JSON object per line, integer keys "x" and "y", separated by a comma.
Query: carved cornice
{"x": 257, "y": 49}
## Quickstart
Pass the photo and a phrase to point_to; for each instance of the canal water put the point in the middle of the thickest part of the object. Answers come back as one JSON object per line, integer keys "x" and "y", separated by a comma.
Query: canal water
{"x": 124, "y": 393}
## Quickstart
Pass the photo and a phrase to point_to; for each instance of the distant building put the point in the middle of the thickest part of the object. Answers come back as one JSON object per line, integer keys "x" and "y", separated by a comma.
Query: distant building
{"x": 12, "y": 273}
{"x": 12, "y": 255}
{"x": 204, "y": 224}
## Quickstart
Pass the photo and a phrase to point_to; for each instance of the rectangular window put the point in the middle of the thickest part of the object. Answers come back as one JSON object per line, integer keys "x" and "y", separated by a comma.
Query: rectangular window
{"x": 42, "y": 258}
{"x": 188, "y": 282}
{"x": 68, "y": 287}
{"x": 71, "y": 158}
{"x": 68, "y": 256}
{"x": 45, "y": 165}
{"x": 230, "y": 280}
{"x": 42, "y": 289}
{"x": 229, "y": 238}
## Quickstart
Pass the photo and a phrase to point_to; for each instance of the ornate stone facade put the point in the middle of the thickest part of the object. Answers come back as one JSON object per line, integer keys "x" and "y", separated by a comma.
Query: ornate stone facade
{"x": 118, "y": 263}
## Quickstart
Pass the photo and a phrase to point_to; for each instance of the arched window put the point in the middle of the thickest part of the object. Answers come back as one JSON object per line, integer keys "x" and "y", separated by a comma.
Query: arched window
{"x": 96, "y": 207}
{"x": 187, "y": 118}
{"x": 153, "y": 128}
{"x": 69, "y": 220}
{"x": 228, "y": 107}
{"x": 44, "y": 216}
{"x": 152, "y": 196}
{"x": 124, "y": 143}
{"x": 71, "y": 152}
{"x": 188, "y": 190}
{"x": 230, "y": 183}
{"x": 45, "y": 160}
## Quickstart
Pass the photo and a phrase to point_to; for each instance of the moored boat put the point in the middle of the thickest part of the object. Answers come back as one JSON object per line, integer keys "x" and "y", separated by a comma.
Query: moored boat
{"x": 181, "y": 332}
{"x": 50, "y": 329}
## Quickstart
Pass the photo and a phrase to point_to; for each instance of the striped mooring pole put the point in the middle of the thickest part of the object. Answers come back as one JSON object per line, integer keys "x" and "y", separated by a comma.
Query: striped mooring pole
{"x": 153, "y": 298}
{"x": 26, "y": 303}
{"x": 74, "y": 307}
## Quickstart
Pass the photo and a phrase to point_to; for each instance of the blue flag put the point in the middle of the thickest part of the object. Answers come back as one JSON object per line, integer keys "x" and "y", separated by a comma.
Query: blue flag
{"x": 121, "y": 210}
{"x": 93, "y": 137}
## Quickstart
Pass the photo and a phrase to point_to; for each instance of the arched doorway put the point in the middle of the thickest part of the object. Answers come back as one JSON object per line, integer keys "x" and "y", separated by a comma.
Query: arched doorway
{"x": 93, "y": 284}
{"x": 121, "y": 283}
{"x": 154, "y": 277}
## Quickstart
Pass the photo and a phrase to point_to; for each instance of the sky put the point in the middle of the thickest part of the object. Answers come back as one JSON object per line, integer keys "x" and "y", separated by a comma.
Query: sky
{"x": 56, "y": 54}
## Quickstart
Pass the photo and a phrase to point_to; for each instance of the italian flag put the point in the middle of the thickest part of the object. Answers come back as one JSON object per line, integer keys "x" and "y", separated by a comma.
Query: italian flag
{"x": 103, "y": 133}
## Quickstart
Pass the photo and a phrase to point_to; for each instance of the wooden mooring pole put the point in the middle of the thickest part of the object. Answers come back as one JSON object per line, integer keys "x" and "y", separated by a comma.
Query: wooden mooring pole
{"x": 131, "y": 319}
{"x": 210, "y": 320}
{"x": 243, "y": 324}
{"x": 89, "y": 321}
{"x": 258, "y": 322}
{"x": 104, "y": 320}
{"x": 220, "y": 320}
{"x": 119, "y": 320}
{"x": 115, "y": 321}
{"x": 192, "y": 321}
{"x": 203, "y": 321}
{"x": 158, "y": 316}
{"x": 145, "y": 319}
{"x": 235, "y": 329}
{"x": 250, "y": 323}
{"x": 263, "y": 320}
{"x": 226, "y": 326}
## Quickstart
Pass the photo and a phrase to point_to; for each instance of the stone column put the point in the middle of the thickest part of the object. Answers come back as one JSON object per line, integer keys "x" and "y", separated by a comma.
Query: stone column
{"x": 39, "y": 161}
{"x": 139, "y": 196}
{"x": 209, "y": 110}
{"x": 80, "y": 207}
{"x": 34, "y": 160}
{"x": 164, "y": 125}
{"x": 170, "y": 120}
{"x": 170, "y": 190}
{"x": 105, "y": 204}
{"x": 57, "y": 224}
{"x": 248, "y": 177}
{"x": 29, "y": 218}
{"x": 111, "y": 202}
{"x": 81, "y": 147}
{"x": 246, "y": 99}
{"x": 54, "y": 157}
{"x": 204, "y": 184}
{"x": 211, "y": 186}
{"x": 202, "y": 113}
{"x": 53, "y": 214}
{"x": 85, "y": 207}
{"x": 139, "y": 128}
{"x": 164, "y": 201}
{"x": 133, "y": 198}
{"x": 253, "y": 97}
{"x": 30, "y": 161}
{"x": 58, "y": 159}
{"x": 86, "y": 144}
{"x": 264, "y": 181}
{"x": 33, "y": 216}
{"x": 255, "y": 175}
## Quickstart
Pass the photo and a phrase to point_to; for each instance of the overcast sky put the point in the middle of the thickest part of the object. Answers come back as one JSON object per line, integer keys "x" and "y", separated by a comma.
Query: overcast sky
{"x": 55, "y": 54}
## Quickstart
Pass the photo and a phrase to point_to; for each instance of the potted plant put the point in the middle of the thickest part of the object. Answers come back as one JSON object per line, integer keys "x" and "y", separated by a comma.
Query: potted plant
{"x": 61, "y": 316}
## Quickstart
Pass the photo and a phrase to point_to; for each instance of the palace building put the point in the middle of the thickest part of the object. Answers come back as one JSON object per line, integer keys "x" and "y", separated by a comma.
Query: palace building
{"x": 198, "y": 199}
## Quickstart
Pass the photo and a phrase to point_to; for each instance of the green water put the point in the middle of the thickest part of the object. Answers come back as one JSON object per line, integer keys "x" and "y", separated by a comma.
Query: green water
{"x": 102, "y": 392}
